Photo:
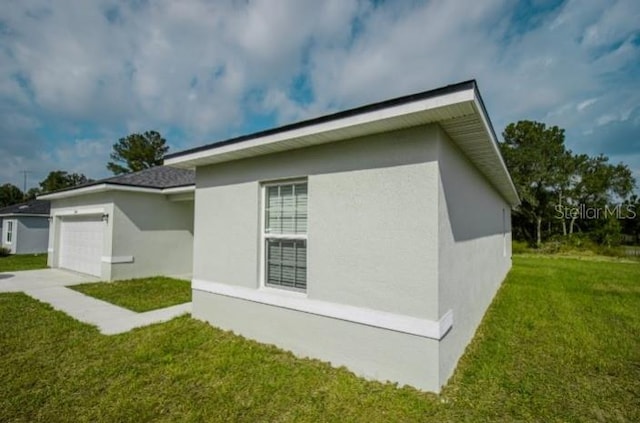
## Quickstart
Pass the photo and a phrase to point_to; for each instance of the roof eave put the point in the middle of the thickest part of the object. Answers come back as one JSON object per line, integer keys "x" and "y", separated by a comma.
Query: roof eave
{"x": 24, "y": 215}
{"x": 453, "y": 111}
{"x": 414, "y": 113}
{"x": 105, "y": 187}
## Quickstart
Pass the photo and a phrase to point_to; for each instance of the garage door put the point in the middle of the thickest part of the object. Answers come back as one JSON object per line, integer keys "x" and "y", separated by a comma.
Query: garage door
{"x": 81, "y": 244}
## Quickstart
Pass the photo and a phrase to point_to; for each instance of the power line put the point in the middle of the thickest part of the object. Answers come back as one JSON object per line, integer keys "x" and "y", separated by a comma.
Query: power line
{"x": 24, "y": 185}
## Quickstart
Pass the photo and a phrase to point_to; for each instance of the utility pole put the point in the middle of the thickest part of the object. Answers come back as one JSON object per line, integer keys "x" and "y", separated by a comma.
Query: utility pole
{"x": 24, "y": 184}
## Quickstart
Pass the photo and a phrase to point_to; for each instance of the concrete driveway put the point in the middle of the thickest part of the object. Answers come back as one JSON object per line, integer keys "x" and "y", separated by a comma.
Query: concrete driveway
{"x": 43, "y": 278}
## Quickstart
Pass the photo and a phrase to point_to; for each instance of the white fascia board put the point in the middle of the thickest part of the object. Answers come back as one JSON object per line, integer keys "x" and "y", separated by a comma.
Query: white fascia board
{"x": 71, "y": 193}
{"x": 332, "y": 125}
{"x": 112, "y": 187}
{"x": 23, "y": 215}
{"x": 96, "y": 189}
{"x": 179, "y": 190}
{"x": 433, "y": 329}
{"x": 514, "y": 199}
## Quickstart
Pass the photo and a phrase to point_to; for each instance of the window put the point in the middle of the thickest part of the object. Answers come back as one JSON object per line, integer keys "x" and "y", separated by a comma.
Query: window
{"x": 9, "y": 235}
{"x": 285, "y": 235}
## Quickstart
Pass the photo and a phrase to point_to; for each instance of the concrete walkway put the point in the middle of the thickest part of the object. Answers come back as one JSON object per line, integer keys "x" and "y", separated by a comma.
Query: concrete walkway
{"x": 41, "y": 278}
{"x": 47, "y": 286}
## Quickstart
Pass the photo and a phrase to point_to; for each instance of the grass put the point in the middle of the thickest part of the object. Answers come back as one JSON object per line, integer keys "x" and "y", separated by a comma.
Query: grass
{"x": 580, "y": 247}
{"x": 16, "y": 262}
{"x": 140, "y": 294}
{"x": 559, "y": 343}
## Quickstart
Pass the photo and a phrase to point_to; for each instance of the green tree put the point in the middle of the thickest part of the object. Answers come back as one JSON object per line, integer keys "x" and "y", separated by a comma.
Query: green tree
{"x": 137, "y": 152}
{"x": 553, "y": 183}
{"x": 32, "y": 193}
{"x": 631, "y": 221}
{"x": 60, "y": 179}
{"x": 597, "y": 184}
{"x": 537, "y": 159}
{"x": 10, "y": 194}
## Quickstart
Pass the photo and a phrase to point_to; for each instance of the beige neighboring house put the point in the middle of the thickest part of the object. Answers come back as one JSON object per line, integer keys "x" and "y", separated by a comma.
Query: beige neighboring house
{"x": 127, "y": 226}
{"x": 373, "y": 238}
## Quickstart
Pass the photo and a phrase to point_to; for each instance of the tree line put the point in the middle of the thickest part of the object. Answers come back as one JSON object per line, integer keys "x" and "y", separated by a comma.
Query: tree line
{"x": 563, "y": 193}
{"x": 135, "y": 152}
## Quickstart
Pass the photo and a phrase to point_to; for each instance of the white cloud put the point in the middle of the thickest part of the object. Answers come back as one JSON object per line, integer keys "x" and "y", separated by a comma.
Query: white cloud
{"x": 99, "y": 70}
{"x": 584, "y": 104}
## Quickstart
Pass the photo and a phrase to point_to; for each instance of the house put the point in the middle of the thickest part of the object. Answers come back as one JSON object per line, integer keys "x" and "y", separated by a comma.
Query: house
{"x": 25, "y": 227}
{"x": 373, "y": 238}
{"x": 127, "y": 226}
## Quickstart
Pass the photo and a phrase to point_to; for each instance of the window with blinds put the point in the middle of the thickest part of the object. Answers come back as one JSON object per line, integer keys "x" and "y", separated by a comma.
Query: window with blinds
{"x": 285, "y": 237}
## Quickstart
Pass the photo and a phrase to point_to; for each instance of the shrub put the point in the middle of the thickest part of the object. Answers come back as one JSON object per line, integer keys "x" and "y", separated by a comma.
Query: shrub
{"x": 4, "y": 251}
{"x": 519, "y": 247}
{"x": 609, "y": 234}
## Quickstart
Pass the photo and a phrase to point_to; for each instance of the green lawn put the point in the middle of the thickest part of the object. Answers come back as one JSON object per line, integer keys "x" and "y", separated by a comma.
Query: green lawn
{"x": 17, "y": 262}
{"x": 560, "y": 343}
{"x": 140, "y": 294}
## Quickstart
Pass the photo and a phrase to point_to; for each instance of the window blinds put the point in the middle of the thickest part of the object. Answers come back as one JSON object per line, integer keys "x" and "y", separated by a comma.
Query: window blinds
{"x": 286, "y": 215}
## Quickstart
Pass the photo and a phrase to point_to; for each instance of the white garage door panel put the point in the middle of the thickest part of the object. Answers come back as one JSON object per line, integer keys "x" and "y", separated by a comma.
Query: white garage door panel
{"x": 81, "y": 244}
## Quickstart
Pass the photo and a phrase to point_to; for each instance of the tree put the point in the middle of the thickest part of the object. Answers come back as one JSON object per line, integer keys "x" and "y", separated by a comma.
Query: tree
{"x": 537, "y": 159}
{"x": 32, "y": 193}
{"x": 557, "y": 186}
{"x": 60, "y": 179}
{"x": 631, "y": 223}
{"x": 137, "y": 152}
{"x": 10, "y": 195}
{"x": 597, "y": 184}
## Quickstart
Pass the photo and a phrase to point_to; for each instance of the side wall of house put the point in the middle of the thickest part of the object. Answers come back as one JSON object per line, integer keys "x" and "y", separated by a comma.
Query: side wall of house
{"x": 152, "y": 236}
{"x": 32, "y": 235}
{"x": 372, "y": 254}
{"x": 475, "y": 248}
{"x": 100, "y": 203}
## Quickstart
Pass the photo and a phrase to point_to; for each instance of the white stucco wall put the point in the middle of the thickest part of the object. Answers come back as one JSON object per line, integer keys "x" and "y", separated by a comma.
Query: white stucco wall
{"x": 370, "y": 352}
{"x": 372, "y": 220}
{"x": 474, "y": 248}
{"x": 32, "y": 235}
{"x": 156, "y": 232}
{"x": 401, "y": 225}
{"x": 372, "y": 244}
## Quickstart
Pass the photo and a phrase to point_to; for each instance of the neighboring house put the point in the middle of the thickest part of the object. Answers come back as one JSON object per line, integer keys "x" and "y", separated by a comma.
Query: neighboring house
{"x": 373, "y": 238}
{"x": 134, "y": 225}
{"x": 25, "y": 227}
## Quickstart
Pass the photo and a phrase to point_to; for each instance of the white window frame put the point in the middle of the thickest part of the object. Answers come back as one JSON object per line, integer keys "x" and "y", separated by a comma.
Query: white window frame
{"x": 9, "y": 232}
{"x": 264, "y": 237}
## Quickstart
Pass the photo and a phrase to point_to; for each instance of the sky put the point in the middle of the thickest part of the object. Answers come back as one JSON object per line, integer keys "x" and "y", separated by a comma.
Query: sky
{"x": 75, "y": 76}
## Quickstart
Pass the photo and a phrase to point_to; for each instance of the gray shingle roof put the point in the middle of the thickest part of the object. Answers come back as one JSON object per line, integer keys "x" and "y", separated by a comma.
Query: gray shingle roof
{"x": 158, "y": 177}
{"x": 30, "y": 207}
{"x": 155, "y": 177}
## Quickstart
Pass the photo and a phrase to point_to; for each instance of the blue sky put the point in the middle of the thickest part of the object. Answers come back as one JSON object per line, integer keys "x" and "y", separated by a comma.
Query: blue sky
{"x": 75, "y": 76}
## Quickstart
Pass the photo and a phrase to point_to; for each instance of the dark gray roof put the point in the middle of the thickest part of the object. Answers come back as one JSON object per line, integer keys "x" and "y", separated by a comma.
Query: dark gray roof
{"x": 30, "y": 207}
{"x": 158, "y": 177}
{"x": 155, "y": 177}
